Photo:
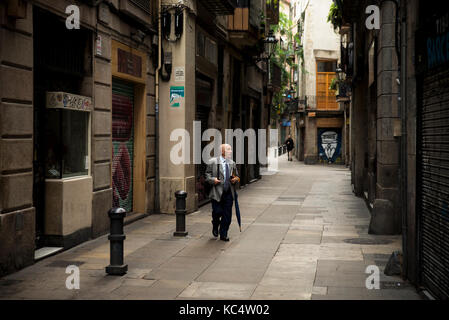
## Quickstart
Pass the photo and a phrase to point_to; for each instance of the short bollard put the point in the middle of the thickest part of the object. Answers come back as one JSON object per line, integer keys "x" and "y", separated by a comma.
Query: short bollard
{"x": 180, "y": 214}
{"x": 116, "y": 237}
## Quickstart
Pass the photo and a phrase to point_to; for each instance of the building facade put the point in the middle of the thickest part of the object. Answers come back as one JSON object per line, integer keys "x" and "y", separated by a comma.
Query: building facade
{"x": 399, "y": 129}
{"x": 319, "y": 118}
{"x": 89, "y": 115}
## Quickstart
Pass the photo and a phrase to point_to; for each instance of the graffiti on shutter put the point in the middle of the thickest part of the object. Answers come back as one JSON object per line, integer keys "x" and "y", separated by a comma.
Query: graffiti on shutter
{"x": 123, "y": 144}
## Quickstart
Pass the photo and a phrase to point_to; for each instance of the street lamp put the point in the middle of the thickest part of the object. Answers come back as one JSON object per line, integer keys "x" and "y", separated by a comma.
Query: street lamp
{"x": 341, "y": 81}
{"x": 270, "y": 43}
{"x": 340, "y": 73}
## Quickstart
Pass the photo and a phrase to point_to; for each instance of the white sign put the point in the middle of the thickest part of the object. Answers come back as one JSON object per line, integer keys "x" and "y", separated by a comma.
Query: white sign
{"x": 99, "y": 45}
{"x": 179, "y": 74}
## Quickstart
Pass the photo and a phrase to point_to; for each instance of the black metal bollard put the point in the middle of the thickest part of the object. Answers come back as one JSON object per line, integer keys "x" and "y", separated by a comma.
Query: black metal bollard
{"x": 180, "y": 214}
{"x": 116, "y": 238}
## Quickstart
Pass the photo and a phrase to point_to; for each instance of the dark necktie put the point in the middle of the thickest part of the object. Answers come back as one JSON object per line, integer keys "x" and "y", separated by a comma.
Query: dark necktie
{"x": 226, "y": 184}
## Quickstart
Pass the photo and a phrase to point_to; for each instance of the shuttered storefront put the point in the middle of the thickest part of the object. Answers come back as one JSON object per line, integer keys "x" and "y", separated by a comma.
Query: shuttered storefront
{"x": 122, "y": 144}
{"x": 433, "y": 182}
{"x": 203, "y": 107}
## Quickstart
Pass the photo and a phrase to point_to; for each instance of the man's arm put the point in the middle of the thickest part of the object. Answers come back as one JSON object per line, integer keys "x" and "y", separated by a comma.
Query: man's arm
{"x": 209, "y": 173}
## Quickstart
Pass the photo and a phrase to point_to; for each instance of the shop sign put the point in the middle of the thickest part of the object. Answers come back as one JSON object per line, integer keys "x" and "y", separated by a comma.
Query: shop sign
{"x": 433, "y": 44}
{"x": 176, "y": 96}
{"x": 286, "y": 123}
{"x": 69, "y": 101}
{"x": 129, "y": 63}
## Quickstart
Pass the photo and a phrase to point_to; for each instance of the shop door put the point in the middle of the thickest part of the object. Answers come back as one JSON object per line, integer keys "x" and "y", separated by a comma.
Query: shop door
{"x": 433, "y": 182}
{"x": 122, "y": 144}
{"x": 58, "y": 66}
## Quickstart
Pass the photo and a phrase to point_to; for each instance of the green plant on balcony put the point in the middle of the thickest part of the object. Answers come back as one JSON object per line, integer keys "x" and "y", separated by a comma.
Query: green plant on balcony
{"x": 284, "y": 58}
{"x": 335, "y": 16}
{"x": 334, "y": 84}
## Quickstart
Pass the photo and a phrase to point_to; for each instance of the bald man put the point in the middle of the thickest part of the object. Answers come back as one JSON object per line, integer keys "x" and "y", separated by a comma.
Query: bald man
{"x": 222, "y": 174}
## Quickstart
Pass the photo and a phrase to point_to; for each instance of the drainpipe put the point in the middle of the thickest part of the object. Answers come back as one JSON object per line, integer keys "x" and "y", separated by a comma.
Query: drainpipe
{"x": 159, "y": 47}
{"x": 403, "y": 112}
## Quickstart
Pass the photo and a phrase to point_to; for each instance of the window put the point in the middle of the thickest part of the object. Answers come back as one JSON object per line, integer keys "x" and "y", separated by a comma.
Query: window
{"x": 206, "y": 48}
{"x": 325, "y": 97}
{"x": 67, "y": 143}
{"x": 326, "y": 66}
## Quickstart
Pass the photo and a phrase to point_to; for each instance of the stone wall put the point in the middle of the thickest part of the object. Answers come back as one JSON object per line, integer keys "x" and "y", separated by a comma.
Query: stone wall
{"x": 387, "y": 187}
{"x": 17, "y": 215}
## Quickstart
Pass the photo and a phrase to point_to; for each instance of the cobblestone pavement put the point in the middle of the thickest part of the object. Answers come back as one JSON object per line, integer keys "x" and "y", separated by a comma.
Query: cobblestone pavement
{"x": 304, "y": 236}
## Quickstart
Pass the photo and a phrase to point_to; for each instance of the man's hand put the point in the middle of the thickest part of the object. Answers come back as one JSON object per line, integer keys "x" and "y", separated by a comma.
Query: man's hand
{"x": 234, "y": 180}
{"x": 216, "y": 181}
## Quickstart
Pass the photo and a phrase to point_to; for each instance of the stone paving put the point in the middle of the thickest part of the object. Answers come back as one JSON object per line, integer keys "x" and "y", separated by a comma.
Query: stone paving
{"x": 300, "y": 239}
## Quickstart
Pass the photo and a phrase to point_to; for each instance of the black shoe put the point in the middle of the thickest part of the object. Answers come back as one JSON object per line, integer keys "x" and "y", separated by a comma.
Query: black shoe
{"x": 215, "y": 231}
{"x": 224, "y": 238}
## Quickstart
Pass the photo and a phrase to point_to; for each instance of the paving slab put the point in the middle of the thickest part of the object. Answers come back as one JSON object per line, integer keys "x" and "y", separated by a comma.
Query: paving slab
{"x": 304, "y": 236}
{"x": 218, "y": 290}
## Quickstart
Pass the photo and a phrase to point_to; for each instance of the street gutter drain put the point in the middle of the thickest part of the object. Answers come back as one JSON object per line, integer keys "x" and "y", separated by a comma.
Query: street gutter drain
{"x": 367, "y": 241}
{"x": 394, "y": 285}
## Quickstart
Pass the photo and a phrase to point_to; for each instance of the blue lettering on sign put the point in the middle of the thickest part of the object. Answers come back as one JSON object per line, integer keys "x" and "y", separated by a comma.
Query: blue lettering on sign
{"x": 437, "y": 50}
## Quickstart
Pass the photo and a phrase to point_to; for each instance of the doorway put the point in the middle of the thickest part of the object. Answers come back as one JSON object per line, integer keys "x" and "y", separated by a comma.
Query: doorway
{"x": 58, "y": 66}
{"x": 122, "y": 144}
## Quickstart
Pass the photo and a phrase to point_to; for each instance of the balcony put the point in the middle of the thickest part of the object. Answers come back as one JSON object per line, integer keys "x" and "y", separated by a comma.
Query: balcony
{"x": 243, "y": 26}
{"x": 220, "y": 7}
{"x": 138, "y": 10}
{"x": 350, "y": 9}
{"x": 274, "y": 77}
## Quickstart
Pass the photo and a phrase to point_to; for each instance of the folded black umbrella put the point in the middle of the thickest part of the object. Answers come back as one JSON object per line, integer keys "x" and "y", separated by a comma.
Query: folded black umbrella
{"x": 237, "y": 211}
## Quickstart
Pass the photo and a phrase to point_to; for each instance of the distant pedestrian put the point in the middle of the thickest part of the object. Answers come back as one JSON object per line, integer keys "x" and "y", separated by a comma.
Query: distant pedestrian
{"x": 290, "y": 146}
{"x": 222, "y": 174}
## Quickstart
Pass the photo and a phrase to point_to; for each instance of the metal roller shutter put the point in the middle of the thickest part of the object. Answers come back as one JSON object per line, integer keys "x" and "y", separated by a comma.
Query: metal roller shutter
{"x": 433, "y": 179}
{"x": 122, "y": 144}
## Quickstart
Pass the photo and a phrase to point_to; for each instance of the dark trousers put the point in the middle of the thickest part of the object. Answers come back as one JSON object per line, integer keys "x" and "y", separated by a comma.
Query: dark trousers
{"x": 222, "y": 212}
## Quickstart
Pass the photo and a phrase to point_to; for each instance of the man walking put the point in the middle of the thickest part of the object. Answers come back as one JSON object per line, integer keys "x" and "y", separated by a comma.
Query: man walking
{"x": 222, "y": 174}
{"x": 290, "y": 146}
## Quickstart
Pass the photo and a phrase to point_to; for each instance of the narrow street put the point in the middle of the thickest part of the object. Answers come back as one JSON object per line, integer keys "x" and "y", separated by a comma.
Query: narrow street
{"x": 304, "y": 236}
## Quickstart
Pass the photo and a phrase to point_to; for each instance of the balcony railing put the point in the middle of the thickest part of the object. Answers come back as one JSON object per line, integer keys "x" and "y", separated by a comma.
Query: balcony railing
{"x": 274, "y": 76}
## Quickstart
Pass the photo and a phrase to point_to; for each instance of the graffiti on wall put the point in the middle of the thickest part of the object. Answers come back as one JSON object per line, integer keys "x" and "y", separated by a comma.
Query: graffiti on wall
{"x": 329, "y": 145}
